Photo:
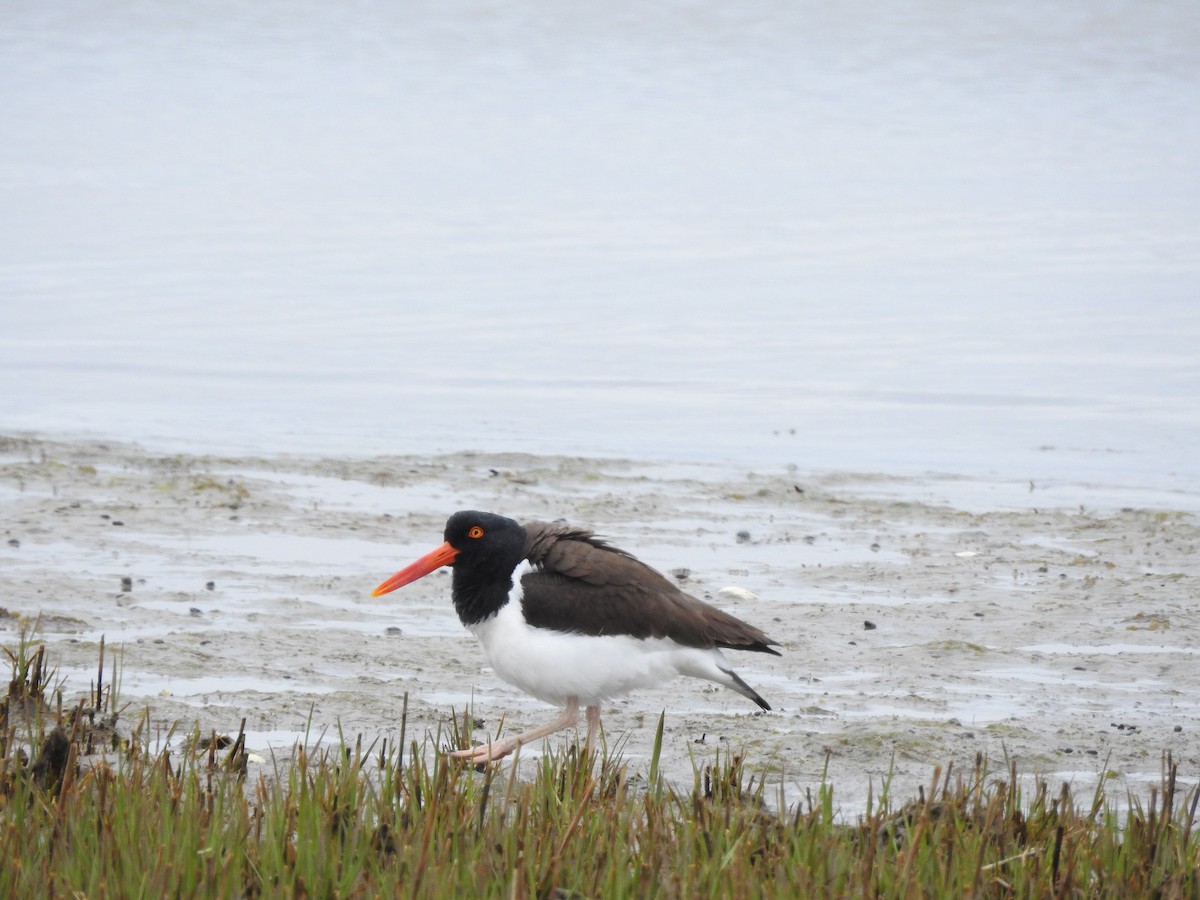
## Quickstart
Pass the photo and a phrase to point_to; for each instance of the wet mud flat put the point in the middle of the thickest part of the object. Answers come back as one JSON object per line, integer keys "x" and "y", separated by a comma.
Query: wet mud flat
{"x": 923, "y": 621}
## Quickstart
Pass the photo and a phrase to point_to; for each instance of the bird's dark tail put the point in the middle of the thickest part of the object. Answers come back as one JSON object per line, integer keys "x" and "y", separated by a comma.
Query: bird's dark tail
{"x": 745, "y": 690}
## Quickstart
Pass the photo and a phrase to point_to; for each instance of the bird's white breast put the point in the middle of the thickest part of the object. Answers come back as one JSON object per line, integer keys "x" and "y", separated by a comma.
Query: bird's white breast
{"x": 555, "y": 665}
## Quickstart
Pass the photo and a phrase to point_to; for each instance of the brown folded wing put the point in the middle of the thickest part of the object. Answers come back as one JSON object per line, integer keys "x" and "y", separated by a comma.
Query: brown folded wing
{"x": 583, "y": 585}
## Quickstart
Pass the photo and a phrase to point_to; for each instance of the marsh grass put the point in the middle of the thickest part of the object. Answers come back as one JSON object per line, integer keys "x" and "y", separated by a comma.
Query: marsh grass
{"x": 379, "y": 819}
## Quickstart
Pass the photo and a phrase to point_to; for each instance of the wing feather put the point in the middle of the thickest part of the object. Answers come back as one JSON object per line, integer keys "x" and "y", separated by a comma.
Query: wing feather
{"x": 584, "y": 585}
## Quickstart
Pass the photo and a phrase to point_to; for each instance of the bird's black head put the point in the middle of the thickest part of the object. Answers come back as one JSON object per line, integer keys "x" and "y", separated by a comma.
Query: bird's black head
{"x": 484, "y": 549}
{"x": 489, "y": 547}
{"x": 485, "y": 540}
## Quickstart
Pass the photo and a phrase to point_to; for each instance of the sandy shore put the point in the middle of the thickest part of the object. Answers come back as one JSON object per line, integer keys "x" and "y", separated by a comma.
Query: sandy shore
{"x": 923, "y": 621}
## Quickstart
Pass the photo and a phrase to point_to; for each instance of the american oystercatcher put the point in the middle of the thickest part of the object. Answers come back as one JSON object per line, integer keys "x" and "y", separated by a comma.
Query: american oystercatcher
{"x": 573, "y": 621}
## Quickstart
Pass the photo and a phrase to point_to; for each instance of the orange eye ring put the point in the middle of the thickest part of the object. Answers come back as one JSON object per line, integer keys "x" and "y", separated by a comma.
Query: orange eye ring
{"x": 475, "y": 532}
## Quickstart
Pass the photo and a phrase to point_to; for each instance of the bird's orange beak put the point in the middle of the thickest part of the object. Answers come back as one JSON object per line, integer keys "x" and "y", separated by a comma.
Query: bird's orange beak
{"x": 442, "y": 556}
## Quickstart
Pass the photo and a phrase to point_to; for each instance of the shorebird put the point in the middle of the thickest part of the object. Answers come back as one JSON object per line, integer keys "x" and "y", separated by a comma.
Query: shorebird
{"x": 572, "y": 620}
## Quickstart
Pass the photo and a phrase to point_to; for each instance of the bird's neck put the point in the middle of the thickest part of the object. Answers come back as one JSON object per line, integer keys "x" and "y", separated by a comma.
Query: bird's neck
{"x": 480, "y": 595}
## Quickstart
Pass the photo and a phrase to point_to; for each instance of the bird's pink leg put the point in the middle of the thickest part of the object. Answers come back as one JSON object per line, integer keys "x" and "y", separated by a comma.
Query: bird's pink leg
{"x": 593, "y": 720}
{"x": 500, "y": 749}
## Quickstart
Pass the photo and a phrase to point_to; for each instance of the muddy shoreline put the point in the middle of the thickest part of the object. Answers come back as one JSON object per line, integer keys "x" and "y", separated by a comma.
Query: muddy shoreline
{"x": 923, "y": 621}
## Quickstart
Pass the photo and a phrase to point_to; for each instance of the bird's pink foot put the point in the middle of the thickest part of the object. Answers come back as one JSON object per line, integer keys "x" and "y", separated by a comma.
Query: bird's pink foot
{"x": 500, "y": 749}
{"x": 484, "y": 753}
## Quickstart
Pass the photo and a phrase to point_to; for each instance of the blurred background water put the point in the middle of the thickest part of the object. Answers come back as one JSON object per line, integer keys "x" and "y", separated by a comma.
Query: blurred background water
{"x": 898, "y": 237}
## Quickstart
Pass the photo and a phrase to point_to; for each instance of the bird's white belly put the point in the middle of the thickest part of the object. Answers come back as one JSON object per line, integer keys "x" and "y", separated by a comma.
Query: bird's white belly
{"x": 555, "y": 665}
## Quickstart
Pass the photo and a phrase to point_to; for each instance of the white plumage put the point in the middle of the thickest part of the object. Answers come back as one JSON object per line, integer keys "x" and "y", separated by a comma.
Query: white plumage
{"x": 554, "y": 665}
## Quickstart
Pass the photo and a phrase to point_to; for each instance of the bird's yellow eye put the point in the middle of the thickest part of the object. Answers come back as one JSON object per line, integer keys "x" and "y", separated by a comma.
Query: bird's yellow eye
{"x": 475, "y": 532}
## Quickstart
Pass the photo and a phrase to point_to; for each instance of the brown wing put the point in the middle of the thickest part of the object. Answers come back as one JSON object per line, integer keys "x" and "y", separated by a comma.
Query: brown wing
{"x": 583, "y": 585}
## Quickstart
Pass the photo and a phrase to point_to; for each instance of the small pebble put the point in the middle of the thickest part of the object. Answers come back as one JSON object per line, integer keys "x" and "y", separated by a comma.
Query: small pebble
{"x": 211, "y": 585}
{"x": 126, "y": 584}
{"x": 13, "y": 542}
{"x": 195, "y": 611}
{"x": 734, "y": 594}
{"x": 393, "y": 631}
{"x": 1178, "y": 728}
{"x": 743, "y": 537}
{"x": 869, "y": 625}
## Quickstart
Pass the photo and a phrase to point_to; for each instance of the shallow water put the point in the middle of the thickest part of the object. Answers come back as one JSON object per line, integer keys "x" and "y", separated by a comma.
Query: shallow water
{"x": 887, "y": 237}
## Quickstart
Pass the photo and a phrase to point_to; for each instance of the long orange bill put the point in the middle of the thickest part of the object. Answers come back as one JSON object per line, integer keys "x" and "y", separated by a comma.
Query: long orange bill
{"x": 442, "y": 556}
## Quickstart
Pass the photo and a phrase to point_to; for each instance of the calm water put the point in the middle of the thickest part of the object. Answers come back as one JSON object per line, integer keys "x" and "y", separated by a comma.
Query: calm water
{"x": 902, "y": 237}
